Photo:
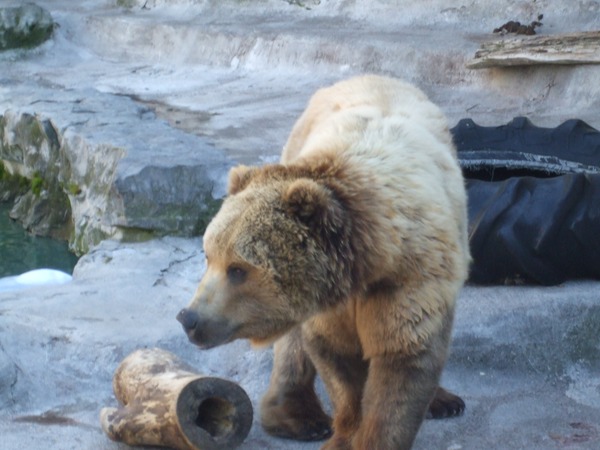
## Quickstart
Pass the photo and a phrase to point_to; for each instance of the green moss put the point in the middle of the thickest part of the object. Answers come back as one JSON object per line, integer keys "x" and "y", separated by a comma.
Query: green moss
{"x": 26, "y": 26}
{"x": 126, "y": 3}
{"x": 35, "y": 37}
{"x": 36, "y": 133}
{"x": 73, "y": 189}
{"x": 23, "y": 183}
{"x": 212, "y": 207}
{"x": 12, "y": 185}
{"x": 131, "y": 234}
{"x": 37, "y": 184}
{"x": 81, "y": 242}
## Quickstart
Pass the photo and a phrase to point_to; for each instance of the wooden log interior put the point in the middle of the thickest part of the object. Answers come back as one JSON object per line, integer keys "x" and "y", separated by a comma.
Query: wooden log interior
{"x": 165, "y": 403}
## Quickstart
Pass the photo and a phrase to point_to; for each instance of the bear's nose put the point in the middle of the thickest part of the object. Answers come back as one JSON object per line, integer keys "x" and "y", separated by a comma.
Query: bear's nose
{"x": 188, "y": 318}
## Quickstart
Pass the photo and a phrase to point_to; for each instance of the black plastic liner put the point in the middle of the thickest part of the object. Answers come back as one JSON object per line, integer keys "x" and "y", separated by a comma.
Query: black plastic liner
{"x": 534, "y": 200}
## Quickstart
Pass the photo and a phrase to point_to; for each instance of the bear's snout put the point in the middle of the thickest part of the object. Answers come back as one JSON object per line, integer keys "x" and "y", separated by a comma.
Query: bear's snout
{"x": 203, "y": 331}
{"x": 188, "y": 319}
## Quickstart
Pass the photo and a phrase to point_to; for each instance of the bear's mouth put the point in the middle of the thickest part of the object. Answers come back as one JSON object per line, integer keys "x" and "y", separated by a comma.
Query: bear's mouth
{"x": 204, "y": 345}
{"x": 206, "y": 341}
{"x": 207, "y": 338}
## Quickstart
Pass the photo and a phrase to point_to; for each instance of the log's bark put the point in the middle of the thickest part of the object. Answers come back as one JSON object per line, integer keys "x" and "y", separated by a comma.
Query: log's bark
{"x": 574, "y": 48}
{"x": 165, "y": 403}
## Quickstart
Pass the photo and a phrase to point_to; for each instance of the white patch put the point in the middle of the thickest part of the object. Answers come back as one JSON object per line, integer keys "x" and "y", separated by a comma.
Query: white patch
{"x": 271, "y": 159}
{"x": 38, "y": 277}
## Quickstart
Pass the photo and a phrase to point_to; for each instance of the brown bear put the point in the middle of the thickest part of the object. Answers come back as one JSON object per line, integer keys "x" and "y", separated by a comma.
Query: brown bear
{"x": 351, "y": 252}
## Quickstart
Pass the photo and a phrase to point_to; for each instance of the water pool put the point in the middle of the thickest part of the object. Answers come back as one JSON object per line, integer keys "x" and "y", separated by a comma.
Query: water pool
{"x": 21, "y": 252}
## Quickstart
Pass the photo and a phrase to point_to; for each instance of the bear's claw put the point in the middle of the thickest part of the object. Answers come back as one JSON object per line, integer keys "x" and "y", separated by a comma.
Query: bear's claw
{"x": 299, "y": 417}
{"x": 314, "y": 431}
{"x": 445, "y": 404}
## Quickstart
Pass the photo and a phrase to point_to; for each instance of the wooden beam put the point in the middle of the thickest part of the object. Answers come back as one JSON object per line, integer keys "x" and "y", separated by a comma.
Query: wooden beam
{"x": 573, "y": 48}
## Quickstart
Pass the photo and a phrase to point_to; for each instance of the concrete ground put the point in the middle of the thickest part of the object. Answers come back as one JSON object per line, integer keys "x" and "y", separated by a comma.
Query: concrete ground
{"x": 526, "y": 359}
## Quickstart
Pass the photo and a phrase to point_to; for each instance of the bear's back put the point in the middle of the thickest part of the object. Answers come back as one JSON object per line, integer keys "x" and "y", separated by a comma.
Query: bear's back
{"x": 396, "y": 149}
{"x": 338, "y": 113}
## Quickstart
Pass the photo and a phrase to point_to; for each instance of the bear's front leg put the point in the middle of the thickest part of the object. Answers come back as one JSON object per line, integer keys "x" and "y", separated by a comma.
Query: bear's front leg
{"x": 290, "y": 408}
{"x": 335, "y": 352}
{"x": 395, "y": 400}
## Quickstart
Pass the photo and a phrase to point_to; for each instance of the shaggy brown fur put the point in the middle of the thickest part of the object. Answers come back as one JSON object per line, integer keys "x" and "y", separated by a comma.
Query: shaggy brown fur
{"x": 356, "y": 247}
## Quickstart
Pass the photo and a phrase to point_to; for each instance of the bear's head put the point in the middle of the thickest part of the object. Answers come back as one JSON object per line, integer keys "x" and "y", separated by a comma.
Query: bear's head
{"x": 277, "y": 252}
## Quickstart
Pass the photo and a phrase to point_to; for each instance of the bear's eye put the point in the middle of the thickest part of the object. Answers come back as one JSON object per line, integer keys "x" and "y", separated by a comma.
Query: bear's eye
{"x": 236, "y": 275}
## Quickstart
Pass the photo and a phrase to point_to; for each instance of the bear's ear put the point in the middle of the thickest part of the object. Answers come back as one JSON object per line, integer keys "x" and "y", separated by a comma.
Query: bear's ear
{"x": 239, "y": 177}
{"x": 314, "y": 204}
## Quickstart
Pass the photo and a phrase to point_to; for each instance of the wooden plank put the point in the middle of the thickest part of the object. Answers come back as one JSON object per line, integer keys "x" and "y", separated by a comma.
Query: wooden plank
{"x": 573, "y": 48}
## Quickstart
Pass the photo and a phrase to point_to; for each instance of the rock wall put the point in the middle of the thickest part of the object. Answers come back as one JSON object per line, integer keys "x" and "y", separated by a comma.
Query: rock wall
{"x": 82, "y": 188}
{"x": 92, "y": 156}
{"x": 30, "y": 150}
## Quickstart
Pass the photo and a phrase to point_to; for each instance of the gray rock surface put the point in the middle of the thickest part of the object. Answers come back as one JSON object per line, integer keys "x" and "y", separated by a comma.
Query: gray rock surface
{"x": 152, "y": 101}
{"x": 525, "y": 359}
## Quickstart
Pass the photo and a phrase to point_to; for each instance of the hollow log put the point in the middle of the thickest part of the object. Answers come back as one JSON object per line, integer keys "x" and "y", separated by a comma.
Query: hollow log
{"x": 165, "y": 403}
